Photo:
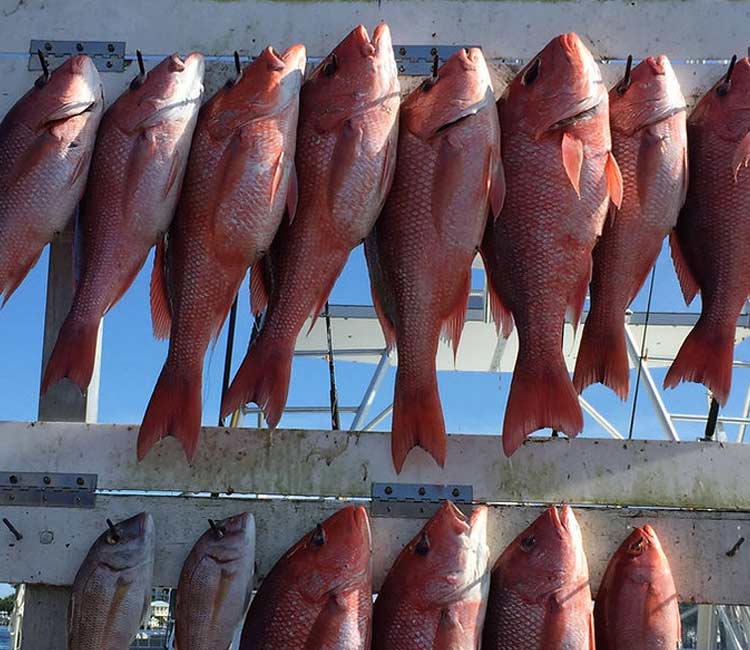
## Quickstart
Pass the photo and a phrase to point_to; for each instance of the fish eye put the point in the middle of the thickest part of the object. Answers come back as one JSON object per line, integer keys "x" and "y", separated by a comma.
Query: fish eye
{"x": 528, "y": 543}
{"x": 319, "y": 536}
{"x": 423, "y": 545}
{"x": 531, "y": 75}
{"x": 330, "y": 68}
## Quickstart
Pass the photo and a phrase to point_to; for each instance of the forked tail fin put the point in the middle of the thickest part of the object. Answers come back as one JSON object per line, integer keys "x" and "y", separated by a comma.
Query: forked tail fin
{"x": 603, "y": 357}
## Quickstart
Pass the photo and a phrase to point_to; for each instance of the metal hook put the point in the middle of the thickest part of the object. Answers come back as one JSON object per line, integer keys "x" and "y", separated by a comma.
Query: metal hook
{"x": 219, "y": 531}
{"x": 725, "y": 85}
{"x": 13, "y": 530}
{"x": 626, "y": 79}
{"x": 435, "y": 64}
{"x": 114, "y": 536}
{"x": 141, "y": 66}
{"x": 319, "y": 536}
{"x": 237, "y": 63}
{"x": 45, "y": 65}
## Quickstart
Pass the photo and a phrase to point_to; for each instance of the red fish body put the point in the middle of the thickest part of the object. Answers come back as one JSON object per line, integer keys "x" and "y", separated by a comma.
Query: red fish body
{"x": 435, "y": 595}
{"x": 539, "y": 593}
{"x": 346, "y": 153}
{"x": 419, "y": 254}
{"x": 46, "y": 144}
{"x": 649, "y": 141}
{"x": 637, "y": 606}
{"x": 240, "y": 177}
{"x": 560, "y": 174}
{"x": 712, "y": 237}
{"x": 318, "y": 596}
{"x": 136, "y": 175}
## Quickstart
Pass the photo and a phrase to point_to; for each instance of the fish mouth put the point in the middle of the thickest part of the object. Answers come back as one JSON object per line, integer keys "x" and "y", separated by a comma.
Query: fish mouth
{"x": 362, "y": 39}
{"x": 658, "y": 65}
{"x": 381, "y": 37}
{"x": 83, "y": 66}
{"x": 294, "y": 56}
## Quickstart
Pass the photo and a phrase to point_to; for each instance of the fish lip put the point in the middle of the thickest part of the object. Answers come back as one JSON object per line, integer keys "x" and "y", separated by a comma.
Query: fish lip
{"x": 84, "y": 66}
{"x": 658, "y": 65}
{"x": 381, "y": 35}
{"x": 295, "y": 56}
{"x": 363, "y": 522}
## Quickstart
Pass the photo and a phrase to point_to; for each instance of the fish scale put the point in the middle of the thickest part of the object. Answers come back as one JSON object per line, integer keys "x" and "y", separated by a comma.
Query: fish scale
{"x": 135, "y": 180}
{"x": 712, "y": 235}
{"x": 46, "y": 144}
{"x": 649, "y": 141}
{"x": 420, "y": 251}
{"x": 240, "y": 178}
{"x": 345, "y": 159}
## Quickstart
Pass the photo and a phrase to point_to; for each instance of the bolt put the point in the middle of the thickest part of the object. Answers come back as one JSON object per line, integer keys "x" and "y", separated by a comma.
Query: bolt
{"x": 46, "y": 537}
{"x": 402, "y": 51}
{"x": 79, "y": 47}
{"x": 455, "y": 492}
{"x": 109, "y": 64}
{"x": 47, "y": 480}
{"x": 110, "y": 47}
{"x": 401, "y": 68}
{"x": 13, "y": 479}
{"x": 80, "y": 480}
{"x": 433, "y": 51}
{"x": 11, "y": 497}
{"x": 421, "y": 491}
{"x": 48, "y": 47}
{"x": 388, "y": 489}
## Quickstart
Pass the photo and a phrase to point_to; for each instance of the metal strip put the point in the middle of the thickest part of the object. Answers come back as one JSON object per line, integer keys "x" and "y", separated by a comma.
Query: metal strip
{"x": 52, "y": 490}
{"x": 108, "y": 56}
{"x": 418, "y": 500}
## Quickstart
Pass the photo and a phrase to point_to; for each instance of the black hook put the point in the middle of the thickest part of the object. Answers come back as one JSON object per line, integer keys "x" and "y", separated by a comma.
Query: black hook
{"x": 319, "y": 536}
{"x": 219, "y": 531}
{"x": 114, "y": 537}
{"x": 733, "y": 551}
{"x": 237, "y": 63}
{"x": 435, "y": 64}
{"x": 13, "y": 530}
{"x": 141, "y": 66}
{"x": 626, "y": 79}
{"x": 725, "y": 85}
{"x": 45, "y": 70}
{"x": 423, "y": 545}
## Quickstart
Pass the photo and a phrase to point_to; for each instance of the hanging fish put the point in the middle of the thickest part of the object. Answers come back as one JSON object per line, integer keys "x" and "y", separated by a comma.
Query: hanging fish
{"x": 319, "y": 594}
{"x": 111, "y": 593}
{"x": 560, "y": 175}
{"x": 637, "y": 606}
{"x": 136, "y": 175}
{"x": 46, "y": 144}
{"x": 712, "y": 237}
{"x": 420, "y": 252}
{"x": 216, "y": 584}
{"x": 539, "y": 594}
{"x": 240, "y": 179}
{"x": 435, "y": 595}
{"x": 649, "y": 140}
{"x": 346, "y": 154}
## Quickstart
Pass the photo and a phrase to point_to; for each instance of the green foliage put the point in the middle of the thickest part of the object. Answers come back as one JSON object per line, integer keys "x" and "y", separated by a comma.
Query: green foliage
{"x": 6, "y": 604}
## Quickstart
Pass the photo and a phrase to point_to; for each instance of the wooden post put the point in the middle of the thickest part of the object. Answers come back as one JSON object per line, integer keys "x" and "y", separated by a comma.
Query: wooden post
{"x": 46, "y": 608}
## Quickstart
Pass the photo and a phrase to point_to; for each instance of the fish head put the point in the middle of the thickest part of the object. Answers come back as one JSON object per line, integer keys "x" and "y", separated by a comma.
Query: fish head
{"x": 172, "y": 91}
{"x": 642, "y": 556}
{"x": 449, "y": 555}
{"x": 560, "y": 85}
{"x": 334, "y": 555}
{"x": 651, "y": 94}
{"x": 546, "y": 556}
{"x": 270, "y": 82}
{"x": 461, "y": 87}
{"x": 229, "y": 539}
{"x": 726, "y": 107}
{"x": 72, "y": 89}
{"x": 127, "y": 543}
{"x": 358, "y": 74}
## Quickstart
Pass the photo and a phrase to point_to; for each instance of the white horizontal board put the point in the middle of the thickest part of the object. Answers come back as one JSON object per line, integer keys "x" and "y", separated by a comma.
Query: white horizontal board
{"x": 331, "y": 463}
{"x": 696, "y": 545}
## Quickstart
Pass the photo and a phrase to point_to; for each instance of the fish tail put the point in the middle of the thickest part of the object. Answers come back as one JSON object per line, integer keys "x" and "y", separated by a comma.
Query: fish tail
{"x": 603, "y": 357}
{"x": 263, "y": 378}
{"x": 417, "y": 422}
{"x": 705, "y": 358}
{"x": 541, "y": 395}
{"x": 74, "y": 353}
{"x": 174, "y": 410}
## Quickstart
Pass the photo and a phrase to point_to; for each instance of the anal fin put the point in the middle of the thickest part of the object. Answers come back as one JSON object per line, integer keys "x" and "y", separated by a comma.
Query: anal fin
{"x": 685, "y": 276}
{"x": 161, "y": 311}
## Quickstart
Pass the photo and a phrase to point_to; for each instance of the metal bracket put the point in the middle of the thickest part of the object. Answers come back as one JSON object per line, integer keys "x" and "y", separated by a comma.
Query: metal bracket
{"x": 108, "y": 56}
{"x": 51, "y": 490}
{"x": 416, "y": 60}
{"x": 417, "y": 500}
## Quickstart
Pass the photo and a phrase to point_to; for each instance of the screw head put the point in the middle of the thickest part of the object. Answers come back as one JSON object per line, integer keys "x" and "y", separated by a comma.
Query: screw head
{"x": 388, "y": 489}
{"x": 13, "y": 479}
{"x": 421, "y": 491}
{"x": 109, "y": 64}
{"x": 46, "y": 537}
{"x": 401, "y": 68}
{"x": 433, "y": 51}
{"x": 80, "y": 481}
{"x": 79, "y": 47}
{"x": 110, "y": 47}
{"x": 48, "y": 46}
{"x": 47, "y": 480}
{"x": 402, "y": 51}
{"x": 455, "y": 492}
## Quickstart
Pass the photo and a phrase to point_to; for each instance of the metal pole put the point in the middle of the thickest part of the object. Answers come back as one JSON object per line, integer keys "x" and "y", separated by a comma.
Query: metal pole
{"x": 745, "y": 412}
{"x": 706, "y": 635}
{"x": 713, "y": 415}
{"x": 372, "y": 390}
{"x": 729, "y": 629}
{"x": 600, "y": 419}
{"x": 228, "y": 356}
{"x": 653, "y": 391}
{"x": 642, "y": 353}
{"x": 378, "y": 418}
{"x": 335, "y": 422}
